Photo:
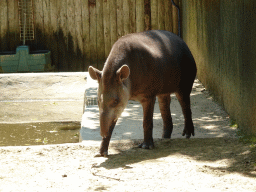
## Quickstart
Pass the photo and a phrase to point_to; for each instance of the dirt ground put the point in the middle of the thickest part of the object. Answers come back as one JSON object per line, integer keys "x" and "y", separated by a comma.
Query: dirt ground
{"x": 213, "y": 164}
{"x": 217, "y": 163}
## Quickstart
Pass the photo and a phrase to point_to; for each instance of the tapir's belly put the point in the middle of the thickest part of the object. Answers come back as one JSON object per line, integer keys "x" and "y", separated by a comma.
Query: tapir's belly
{"x": 155, "y": 83}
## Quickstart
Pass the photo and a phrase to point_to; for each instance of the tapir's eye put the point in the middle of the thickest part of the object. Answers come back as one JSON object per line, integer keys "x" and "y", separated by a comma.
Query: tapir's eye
{"x": 115, "y": 103}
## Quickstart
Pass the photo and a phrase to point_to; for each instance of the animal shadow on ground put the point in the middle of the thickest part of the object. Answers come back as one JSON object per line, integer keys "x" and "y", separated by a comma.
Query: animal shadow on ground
{"x": 241, "y": 157}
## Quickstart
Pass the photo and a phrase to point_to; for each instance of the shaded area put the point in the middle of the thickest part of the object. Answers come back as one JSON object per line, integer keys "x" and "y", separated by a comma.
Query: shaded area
{"x": 234, "y": 156}
{"x": 220, "y": 35}
{"x": 209, "y": 118}
{"x": 39, "y": 133}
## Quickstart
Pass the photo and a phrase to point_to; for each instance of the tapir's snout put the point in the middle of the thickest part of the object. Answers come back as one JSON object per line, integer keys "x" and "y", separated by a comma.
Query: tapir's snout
{"x": 107, "y": 123}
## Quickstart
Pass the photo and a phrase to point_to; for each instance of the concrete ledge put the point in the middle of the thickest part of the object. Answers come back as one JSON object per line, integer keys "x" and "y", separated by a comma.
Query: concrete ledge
{"x": 41, "y": 97}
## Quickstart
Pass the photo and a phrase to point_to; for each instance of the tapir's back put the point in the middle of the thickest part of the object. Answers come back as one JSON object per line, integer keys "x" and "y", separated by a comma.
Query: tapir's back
{"x": 159, "y": 61}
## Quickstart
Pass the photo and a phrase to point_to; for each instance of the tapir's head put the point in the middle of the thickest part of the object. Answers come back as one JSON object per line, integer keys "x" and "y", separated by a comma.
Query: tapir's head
{"x": 113, "y": 95}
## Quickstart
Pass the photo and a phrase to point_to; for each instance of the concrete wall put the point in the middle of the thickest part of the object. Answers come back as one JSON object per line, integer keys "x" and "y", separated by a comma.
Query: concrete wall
{"x": 221, "y": 36}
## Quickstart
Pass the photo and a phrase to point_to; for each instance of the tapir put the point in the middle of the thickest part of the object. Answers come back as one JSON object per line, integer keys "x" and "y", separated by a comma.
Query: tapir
{"x": 143, "y": 66}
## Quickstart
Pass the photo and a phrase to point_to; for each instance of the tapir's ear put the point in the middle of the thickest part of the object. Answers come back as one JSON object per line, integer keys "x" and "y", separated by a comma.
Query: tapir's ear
{"x": 94, "y": 73}
{"x": 123, "y": 72}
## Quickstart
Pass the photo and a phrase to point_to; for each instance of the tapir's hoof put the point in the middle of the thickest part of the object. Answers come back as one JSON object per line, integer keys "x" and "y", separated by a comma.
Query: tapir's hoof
{"x": 103, "y": 154}
{"x": 188, "y": 134}
{"x": 146, "y": 145}
{"x": 167, "y": 135}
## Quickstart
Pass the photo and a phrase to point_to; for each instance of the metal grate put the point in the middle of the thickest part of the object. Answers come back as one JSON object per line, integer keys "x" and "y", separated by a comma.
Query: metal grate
{"x": 26, "y": 20}
{"x": 91, "y": 101}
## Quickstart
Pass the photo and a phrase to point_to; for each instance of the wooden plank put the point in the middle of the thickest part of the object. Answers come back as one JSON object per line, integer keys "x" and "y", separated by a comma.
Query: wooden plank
{"x": 93, "y": 34}
{"x": 47, "y": 23}
{"x": 113, "y": 22}
{"x": 175, "y": 17}
{"x": 39, "y": 25}
{"x": 147, "y": 14}
{"x": 132, "y": 15}
{"x": 154, "y": 14}
{"x": 4, "y": 25}
{"x": 161, "y": 15}
{"x": 63, "y": 36}
{"x": 100, "y": 35}
{"x": 72, "y": 43}
{"x": 140, "y": 25}
{"x": 120, "y": 18}
{"x": 168, "y": 15}
{"x": 11, "y": 25}
{"x": 86, "y": 34}
{"x": 126, "y": 17}
{"x": 54, "y": 31}
{"x": 79, "y": 38}
{"x": 106, "y": 21}
{"x": 0, "y": 26}
{"x": 16, "y": 24}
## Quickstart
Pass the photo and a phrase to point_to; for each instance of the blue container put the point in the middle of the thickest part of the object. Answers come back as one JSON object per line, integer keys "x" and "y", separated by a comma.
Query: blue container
{"x": 23, "y": 61}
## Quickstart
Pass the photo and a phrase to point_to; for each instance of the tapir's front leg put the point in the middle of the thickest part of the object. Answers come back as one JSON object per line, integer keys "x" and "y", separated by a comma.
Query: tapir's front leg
{"x": 105, "y": 141}
{"x": 148, "y": 110}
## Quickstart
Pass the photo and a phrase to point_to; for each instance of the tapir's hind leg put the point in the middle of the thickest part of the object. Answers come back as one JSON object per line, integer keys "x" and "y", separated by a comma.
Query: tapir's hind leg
{"x": 184, "y": 99}
{"x": 164, "y": 105}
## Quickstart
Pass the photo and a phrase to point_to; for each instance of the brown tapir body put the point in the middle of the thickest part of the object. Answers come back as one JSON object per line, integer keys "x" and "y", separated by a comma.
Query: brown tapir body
{"x": 143, "y": 66}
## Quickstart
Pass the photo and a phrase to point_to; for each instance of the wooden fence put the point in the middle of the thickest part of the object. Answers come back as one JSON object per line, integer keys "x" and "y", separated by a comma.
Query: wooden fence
{"x": 221, "y": 35}
{"x": 80, "y": 33}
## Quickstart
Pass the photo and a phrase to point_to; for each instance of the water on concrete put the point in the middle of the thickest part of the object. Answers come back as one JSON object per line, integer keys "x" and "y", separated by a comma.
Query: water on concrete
{"x": 42, "y": 133}
{"x": 41, "y": 108}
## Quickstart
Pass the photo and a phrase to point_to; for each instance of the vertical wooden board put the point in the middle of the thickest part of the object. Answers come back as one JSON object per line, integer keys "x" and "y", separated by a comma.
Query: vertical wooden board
{"x": 4, "y": 25}
{"x": 192, "y": 24}
{"x": 154, "y": 14}
{"x": 11, "y": 25}
{"x": 126, "y": 17}
{"x": 225, "y": 26}
{"x": 147, "y": 14}
{"x": 120, "y": 18}
{"x": 181, "y": 14}
{"x": 72, "y": 42}
{"x": 100, "y": 35}
{"x": 140, "y": 24}
{"x": 247, "y": 66}
{"x": 39, "y": 25}
{"x": 176, "y": 17}
{"x": 185, "y": 21}
{"x": 16, "y": 24}
{"x": 132, "y": 15}
{"x": 47, "y": 23}
{"x": 113, "y": 21}
{"x": 168, "y": 15}
{"x": 86, "y": 34}
{"x": 54, "y": 14}
{"x": 63, "y": 36}
{"x": 161, "y": 15}
{"x": 250, "y": 5}
{"x": 93, "y": 35}
{"x": 214, "y": 38}
{"x": 78, "y": 25}
{"x": 0, "y": 26}
{"x": 54, "y": 32}
{"x": 227, "y": 59}
{"x": 106, "y": 22}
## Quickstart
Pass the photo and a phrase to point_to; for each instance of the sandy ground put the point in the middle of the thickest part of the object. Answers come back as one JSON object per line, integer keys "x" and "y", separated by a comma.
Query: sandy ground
{"x": 213, "y": 160}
